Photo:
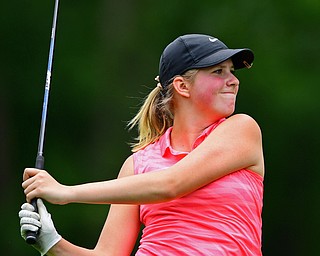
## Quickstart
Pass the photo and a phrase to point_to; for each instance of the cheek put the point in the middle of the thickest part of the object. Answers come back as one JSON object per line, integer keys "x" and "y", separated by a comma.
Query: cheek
{"x": 204, "y": 96}
{"x": 207, "y": 97}
{"x": 207, "y": 91}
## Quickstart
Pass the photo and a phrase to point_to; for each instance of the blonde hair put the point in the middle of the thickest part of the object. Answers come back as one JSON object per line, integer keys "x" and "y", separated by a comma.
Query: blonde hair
{"x": 156, "y": 114}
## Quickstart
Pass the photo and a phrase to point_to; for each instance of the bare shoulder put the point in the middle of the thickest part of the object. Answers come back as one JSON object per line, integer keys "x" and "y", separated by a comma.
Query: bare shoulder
{"x": 127, "y": 168}
{"x": 244, "y": 119}
{"x": 241, "y": 123}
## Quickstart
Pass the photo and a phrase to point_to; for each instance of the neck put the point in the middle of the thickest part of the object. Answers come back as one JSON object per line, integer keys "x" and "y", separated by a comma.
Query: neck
{"x": 185, "y": 131}
{"x": 188, "y": 125}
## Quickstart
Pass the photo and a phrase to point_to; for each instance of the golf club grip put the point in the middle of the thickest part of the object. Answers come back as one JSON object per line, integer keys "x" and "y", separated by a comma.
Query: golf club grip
{"x": 31, "y": 236}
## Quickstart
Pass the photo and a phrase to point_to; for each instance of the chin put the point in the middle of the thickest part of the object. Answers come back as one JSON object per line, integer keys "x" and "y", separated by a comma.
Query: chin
{"x": 229, "y": 113}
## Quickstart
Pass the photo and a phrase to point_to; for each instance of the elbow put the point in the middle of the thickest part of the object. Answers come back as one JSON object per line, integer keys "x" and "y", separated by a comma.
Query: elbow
{"x": 169, "y": 189}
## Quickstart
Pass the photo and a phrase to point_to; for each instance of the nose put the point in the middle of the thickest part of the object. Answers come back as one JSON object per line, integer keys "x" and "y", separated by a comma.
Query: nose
{"x": 232, "y": 80}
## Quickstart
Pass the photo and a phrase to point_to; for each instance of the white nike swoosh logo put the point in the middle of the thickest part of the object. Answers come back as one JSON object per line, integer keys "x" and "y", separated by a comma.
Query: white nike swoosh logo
{"x": 212, "y": 39}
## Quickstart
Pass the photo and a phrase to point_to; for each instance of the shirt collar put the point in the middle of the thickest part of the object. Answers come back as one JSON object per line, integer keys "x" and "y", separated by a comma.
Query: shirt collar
{"x": 165, "y": 143}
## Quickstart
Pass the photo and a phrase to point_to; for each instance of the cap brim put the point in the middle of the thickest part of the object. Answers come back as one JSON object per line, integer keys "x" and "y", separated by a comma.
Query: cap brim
{"x": 241, "y": 58}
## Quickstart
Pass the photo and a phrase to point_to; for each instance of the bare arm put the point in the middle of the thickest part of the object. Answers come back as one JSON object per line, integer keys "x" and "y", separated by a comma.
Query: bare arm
{"x": 119, "y": 233}
{"x": 234, "y": 145}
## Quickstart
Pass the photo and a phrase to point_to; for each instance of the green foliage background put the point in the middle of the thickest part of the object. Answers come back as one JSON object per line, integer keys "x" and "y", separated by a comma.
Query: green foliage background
{"x": 106, "y": 58}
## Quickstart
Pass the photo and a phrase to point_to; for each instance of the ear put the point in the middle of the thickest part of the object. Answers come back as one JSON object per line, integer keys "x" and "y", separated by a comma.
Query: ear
{"x": 181, "y": 86}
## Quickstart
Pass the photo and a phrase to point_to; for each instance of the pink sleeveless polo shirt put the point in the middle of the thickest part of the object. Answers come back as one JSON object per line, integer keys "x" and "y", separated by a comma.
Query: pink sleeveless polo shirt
{"x": 221, "y": 218}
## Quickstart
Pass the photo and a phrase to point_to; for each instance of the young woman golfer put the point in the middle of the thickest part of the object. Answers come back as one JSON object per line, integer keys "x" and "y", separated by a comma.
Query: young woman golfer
{"x": 195, "y": 178}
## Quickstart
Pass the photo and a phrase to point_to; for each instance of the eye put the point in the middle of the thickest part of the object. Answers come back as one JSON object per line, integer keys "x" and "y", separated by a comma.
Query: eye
{"x": 218, "y": 71}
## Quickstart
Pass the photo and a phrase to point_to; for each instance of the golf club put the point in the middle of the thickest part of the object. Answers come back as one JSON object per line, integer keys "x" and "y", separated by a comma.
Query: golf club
{"x": 31, "y": 237}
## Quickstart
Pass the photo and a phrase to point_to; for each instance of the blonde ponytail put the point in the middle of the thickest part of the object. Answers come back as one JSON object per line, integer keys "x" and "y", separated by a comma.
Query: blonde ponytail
{"x": 156, "y": 114}
{"x": 153, "y": 118}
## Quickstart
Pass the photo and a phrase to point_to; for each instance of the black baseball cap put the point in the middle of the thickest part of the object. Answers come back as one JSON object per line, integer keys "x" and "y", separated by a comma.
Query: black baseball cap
{"x": 198, "y": 51}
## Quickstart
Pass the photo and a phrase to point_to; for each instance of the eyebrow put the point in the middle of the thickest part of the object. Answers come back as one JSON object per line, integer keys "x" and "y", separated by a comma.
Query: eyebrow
{"x": 223, "y": 66}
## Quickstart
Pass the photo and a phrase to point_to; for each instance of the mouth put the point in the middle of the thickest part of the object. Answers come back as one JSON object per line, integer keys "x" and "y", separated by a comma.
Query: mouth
{"x": 228, "y": 93}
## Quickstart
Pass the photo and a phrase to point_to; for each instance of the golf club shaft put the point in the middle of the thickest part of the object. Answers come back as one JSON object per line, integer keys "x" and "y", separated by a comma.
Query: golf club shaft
{"x": 31, "y": 237}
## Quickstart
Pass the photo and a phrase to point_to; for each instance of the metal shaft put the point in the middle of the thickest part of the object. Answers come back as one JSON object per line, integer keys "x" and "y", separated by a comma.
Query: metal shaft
{"x": 31, "y": 236}
{"x": 48, "y": 80}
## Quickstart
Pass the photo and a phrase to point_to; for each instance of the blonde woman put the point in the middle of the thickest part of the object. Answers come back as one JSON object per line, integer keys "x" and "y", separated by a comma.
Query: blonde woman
{"x": 195, "y": 178}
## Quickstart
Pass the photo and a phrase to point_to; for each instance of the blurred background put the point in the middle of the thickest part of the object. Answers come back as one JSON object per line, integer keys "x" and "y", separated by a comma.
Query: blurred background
{"x": 106, "y": 58}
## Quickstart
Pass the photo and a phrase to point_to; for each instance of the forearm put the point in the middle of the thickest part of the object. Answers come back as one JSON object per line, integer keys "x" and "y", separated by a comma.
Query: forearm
{"x": 152, "y": 188}
{"x": 65, "y": 248}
